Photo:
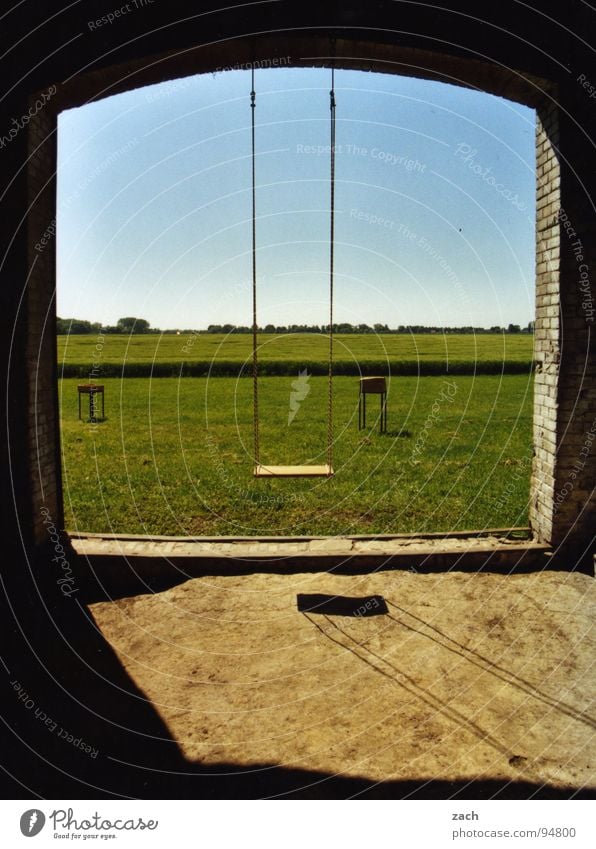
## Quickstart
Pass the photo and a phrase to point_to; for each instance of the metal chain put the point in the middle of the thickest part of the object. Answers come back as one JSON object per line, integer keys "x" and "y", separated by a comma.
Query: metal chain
{"x": 255, "y": 367}
{"x": 331, "y": 269}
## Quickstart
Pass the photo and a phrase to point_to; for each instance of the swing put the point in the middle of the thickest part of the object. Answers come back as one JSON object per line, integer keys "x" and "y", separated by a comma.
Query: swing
{"x": 305, "y": 471}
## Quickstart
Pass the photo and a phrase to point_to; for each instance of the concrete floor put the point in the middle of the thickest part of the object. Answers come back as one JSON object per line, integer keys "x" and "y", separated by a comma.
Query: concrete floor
{"x": 467, "y": 677}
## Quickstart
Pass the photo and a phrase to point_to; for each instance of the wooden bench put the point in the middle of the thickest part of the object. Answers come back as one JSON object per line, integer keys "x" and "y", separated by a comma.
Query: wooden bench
{"x": 95, "y": 391}
{"x": 372, "y": 386}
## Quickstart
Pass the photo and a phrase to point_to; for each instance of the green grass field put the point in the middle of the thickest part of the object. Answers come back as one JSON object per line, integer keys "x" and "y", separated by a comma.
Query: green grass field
{"x": 175, "y": 456}
{"x": 77, "y": 354}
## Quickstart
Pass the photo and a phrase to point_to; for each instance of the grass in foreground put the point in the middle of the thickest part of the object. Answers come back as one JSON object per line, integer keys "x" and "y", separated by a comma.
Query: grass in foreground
{"x": 175, "y": 457}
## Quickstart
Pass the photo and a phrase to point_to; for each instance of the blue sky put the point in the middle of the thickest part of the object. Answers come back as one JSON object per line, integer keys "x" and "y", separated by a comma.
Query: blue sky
{"x": 434, "y": 203}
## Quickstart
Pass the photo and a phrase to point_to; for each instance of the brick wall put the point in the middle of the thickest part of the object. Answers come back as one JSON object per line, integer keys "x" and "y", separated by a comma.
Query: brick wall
{"x": 547, "y": 345}
{"x": 563, "y": 506}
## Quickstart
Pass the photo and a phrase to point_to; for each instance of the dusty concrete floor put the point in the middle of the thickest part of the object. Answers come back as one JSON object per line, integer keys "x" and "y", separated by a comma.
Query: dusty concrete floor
{"x": 468, "y": 676}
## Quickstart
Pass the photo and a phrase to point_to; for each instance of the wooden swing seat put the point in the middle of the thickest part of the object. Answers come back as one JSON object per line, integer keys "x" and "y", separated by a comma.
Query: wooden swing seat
{"x": 261, "y": 471}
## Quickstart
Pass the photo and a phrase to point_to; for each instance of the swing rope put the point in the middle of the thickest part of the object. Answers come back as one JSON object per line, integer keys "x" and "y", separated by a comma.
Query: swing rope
{"x": 255, "y": 365}
{"x": 292, "y": 471}
{"x": 331, "y": 271}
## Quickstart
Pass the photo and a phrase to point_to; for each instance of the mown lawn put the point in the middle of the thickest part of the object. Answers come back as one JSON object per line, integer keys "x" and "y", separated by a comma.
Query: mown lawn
{"x": 309, "y": 347}
{"x": 175, "y": 457}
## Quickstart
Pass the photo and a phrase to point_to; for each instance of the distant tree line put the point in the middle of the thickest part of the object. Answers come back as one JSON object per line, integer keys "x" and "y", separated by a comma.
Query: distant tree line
{"x": 130, "y": 324}
{"x": 367, "y": 328}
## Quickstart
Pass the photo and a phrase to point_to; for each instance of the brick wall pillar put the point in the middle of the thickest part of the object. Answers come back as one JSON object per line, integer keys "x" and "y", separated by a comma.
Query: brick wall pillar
{"x": 547, "y": 346}
{"x": 563, "y": 507}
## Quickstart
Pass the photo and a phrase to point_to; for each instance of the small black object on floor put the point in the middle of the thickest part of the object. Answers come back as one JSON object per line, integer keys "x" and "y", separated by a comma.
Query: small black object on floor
{"x": 340, "y": 605}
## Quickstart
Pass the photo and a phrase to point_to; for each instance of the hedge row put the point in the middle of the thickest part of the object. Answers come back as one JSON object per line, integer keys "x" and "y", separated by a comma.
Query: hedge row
{"x": 290, "y": 368}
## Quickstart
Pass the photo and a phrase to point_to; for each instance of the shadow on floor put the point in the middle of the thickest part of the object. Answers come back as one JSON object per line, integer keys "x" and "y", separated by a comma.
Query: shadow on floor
{"x": 76, "y": 726}
{"x": 339, "y": 605}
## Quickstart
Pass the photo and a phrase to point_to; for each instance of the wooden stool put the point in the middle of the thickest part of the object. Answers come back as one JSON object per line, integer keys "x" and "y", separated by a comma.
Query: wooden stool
{"x": 95, "y": 391}
{"x": 372, "y": 386}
